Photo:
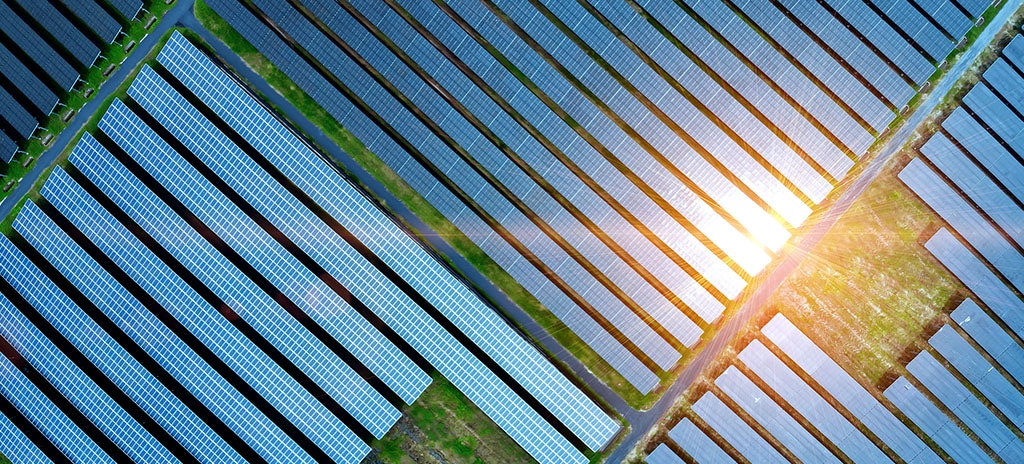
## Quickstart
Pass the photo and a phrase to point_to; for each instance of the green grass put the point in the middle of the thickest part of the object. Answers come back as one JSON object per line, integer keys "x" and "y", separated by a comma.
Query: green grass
{"x": 443, "y": 420}
{"x": 93, "y": 78}
{"x": 424, "y": 210}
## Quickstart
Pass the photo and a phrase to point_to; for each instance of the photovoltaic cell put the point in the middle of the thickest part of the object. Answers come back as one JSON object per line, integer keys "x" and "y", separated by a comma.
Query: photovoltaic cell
{"x": 732, "y": 428}
{"x": 66, "y": 376}
{"x": 763, "y": 409}
{"x": 240, "y": 353}
{"x": 168, "y": 411}
{"x": 396, "y": 248}
{"x": 27, "y": 82}
{"x": 948, "y": 16}
{"x": 988, "y": 152}
{"x": 43, "y": 414}
{"x": 846, "y": 390}
{"x": 696, "y": 443}
{"x": 66, "y": 33}
{"x": 15, "y": 445}
{"x": 966, "y": 407}
{"x": 161, "y": 343}
{"x": 95, "y": 17}
{"x": 29, "y": 41}
{"x": 128, "y": 8}
{"x": 934, "y": 423}
{"x": 990, "y": 336}
{"x": 973, "y": 273}
{"x": 663, "y": 455}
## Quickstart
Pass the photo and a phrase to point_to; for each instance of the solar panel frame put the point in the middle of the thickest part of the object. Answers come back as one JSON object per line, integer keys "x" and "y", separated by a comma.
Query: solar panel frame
{"x": 908, "y": 399}
{"x": 29, "y": 41}
{"x": 63, "y": 30}
{"x": 95, "y": 17}
{"x": 736, "y": 432}
{"x": 16, "y": 446}
{"x": 990, "y": 336}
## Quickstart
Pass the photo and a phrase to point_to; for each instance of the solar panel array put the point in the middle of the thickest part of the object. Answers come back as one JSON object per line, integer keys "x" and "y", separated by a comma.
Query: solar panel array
{"x": 632, "y": 165}
{"x": 200, "y": 284}
{"x": 962, "y": 396}
{"x": 44, "y": 46}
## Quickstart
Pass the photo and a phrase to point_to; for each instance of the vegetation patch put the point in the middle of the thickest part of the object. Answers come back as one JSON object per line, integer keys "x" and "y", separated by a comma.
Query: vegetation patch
{"x": 443, "y": 426}
{"x": 425, "y": 211}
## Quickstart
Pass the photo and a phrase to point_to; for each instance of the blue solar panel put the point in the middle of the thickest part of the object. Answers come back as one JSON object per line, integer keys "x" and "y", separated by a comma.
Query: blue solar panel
{"x": 66, "y": 376}
{"x": 1014, "y": 52}
{"x": 732, "y": 428}
{"x": 29, "y": 41}
{"x": 934, "y": 423}
{"x": 15, "y": 446}
{"x": 663, "y": 455}
{"x": 223, "y": 338}
{"x": 1006, "y": 82}
{"x": 994, "y": 113}
{"x": 809, "y": 403}
{"x": 966, "y": 407}
{"x": 7, "y": 148}
{"x": 284, "y": 271}
{"x": 816, "y": 60}
{"x": 763, "y": 409}
{"x": 917, "y": 26}
{"x": 397, "y": 249}
{"x": 97, "y": 345}
{"x": 384, "y": 147}
{"x": 963, "y": 218}
{"x": 43, "y": 414}
{"x": 973, "y": 273}
{"x": 990, "y": 336}
{"x": 163, "y": 345}
{"x": 15, "y": 114}
{"x": 95, "y": 17}
{"x": 589, "y": 246}
{"x": 986, "y": 150}
{"x": 978, "y": 186}
{"x": 696, "y": 443}
{"x": 27, "y": 82}
{"x": 128, "y": 8}
{"x": 979, "y": 372}
{"x": 975, "y": 7}
{"x": 846, "y": 390}
{"x": 66, "y": 33}
{"x": 948, "y": 16}
{"x": 884, "y": 38}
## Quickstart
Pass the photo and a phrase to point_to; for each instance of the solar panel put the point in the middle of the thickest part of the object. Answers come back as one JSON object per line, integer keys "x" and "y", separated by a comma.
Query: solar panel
{"x": 281, "y": 390}
{"x": 60, "y": 371}
{"x": 16, "y": 446}
{"x": 997, "y": 116}
{"x": 188, "y": 367}
{"x": 16, "y": 115}
{"x": 934, "y": 423}
{"x": 25, "y": 81}
{"x": 29, "y": 41}
{"x": 966, "y": 407}
{"x": 884, "y": 38}
{"x": 696, "y": 443}
{"x": 732, "y": 428}
{"x": 104, "y": 352}
{"x": 845, "y": 389}
{"x": 990, "y": 336}
{"x": 128, "y": 8}
{"x": 95, "y": 17}
{"x": 988, "y": 152}
{"x": 763, "y": 409}
{"x": 948, "y": 16}
{"x": 973, "y": 273}
{"x": 43, "y": 414}
{"x": 980, "y": 373}
{"x": 7, "y": 148}
{"x": 398, "y": 250}
{"x": 663, "y": 455}
{"x": 66, "y": 33}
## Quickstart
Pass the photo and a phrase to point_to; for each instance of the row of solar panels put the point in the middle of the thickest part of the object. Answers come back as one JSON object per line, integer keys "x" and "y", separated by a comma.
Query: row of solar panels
{"x": 632, "y": 164}
{"x": 44, "y": 46}
{"x": 965, "y": 391}
{"x": 200, "y": 284}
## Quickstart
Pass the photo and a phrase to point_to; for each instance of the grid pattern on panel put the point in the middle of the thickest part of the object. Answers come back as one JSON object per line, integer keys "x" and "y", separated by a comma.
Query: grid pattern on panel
{"x": 521, "y": 187}
{"x": 43, "y": 414}
{"x": 101, "y": 349}
{"x": 399, "y": 251}
{"x": 845, "y": 389}
{"x": 95, "y": 17}
{"x": 14, "y": 445}
{"x": 270, "y": 259}
{"x": 144, "y": 267}
{"x": 66, "y": 33}
{"x": 248, "y": 360}
{"x": 389, "y": 151}
{"x": 59, "y": 370}
{"x": 7, "y": 148}
{"x": 29, "y": 41}
{"x": 128, "y": 8}
{"x": 515, "y": 221}
{"x": 29, "y": 85}
{"x": 15, "y": 114}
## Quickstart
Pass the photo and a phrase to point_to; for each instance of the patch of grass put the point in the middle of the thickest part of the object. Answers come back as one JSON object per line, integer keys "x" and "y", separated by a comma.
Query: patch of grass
{"x": 423, "y": 209}
{"x": 869, "y": 289}
{"x": 444, "y": 424}
{"x": 75, "y": 99}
